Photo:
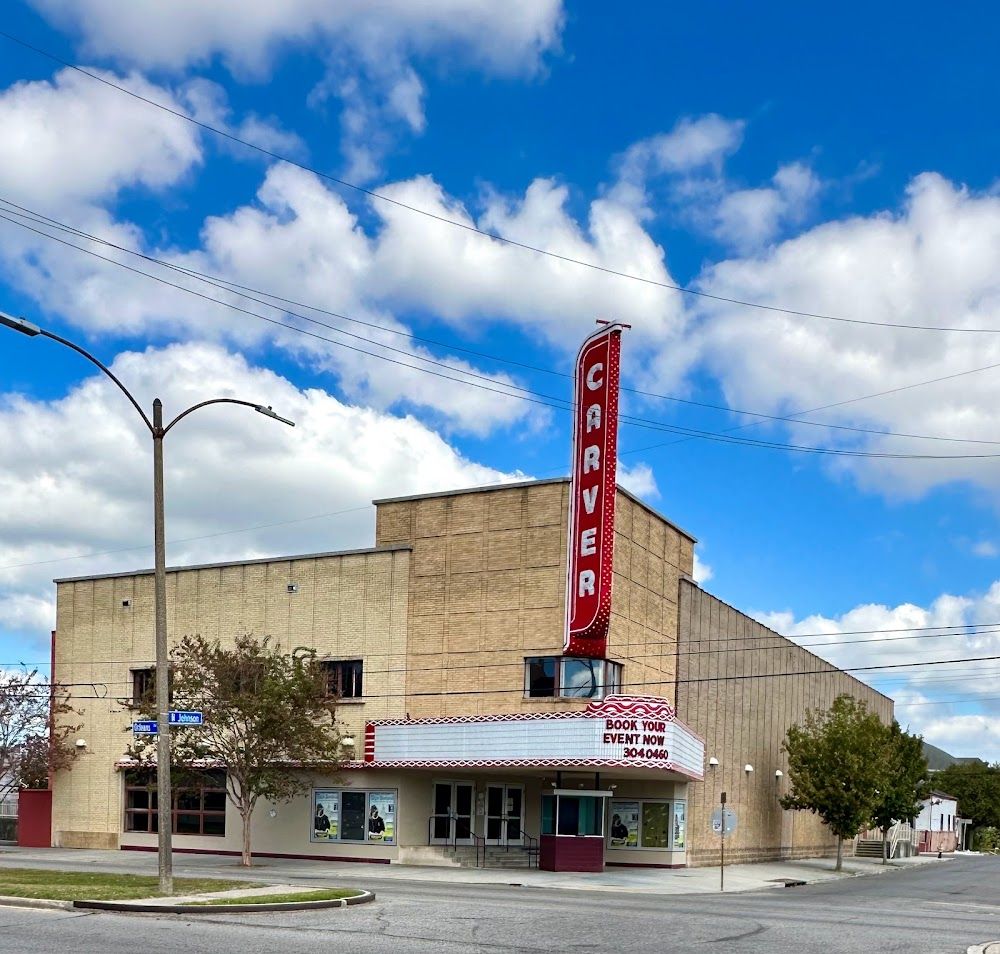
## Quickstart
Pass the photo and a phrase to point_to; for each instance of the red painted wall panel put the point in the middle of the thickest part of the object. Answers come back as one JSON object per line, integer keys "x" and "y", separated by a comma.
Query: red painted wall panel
{"x": 34, "y": 818}
{"x": 566, "y": 853}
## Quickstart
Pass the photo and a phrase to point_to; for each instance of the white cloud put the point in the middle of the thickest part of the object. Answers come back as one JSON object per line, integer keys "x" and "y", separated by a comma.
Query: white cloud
{"x": 934, "y": 700}
{"x": 77, "y": 477}
{"x": 248, "y": 33}
{"x": 639, "y": 479}
{"x": 702, "y": 571}
{"x": 72, "y": 140}
{"x": 749, "y": 218}
{"x": 986, "y": 549}
{"x": 932, "y": 263}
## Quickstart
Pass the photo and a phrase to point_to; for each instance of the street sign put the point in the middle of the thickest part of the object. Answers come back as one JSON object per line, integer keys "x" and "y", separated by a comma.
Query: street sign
{"x": 186, "y": 718}
{"x": 146, "y": 727}
{"x": 723, "y": 821}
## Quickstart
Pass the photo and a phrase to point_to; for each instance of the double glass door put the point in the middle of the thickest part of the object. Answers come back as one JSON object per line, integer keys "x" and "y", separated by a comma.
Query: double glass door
{"x": 451, "y": 820}
{"x": 504, "y": 815}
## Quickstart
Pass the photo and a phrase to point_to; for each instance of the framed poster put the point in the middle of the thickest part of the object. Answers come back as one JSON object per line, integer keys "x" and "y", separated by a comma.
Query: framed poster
{"x": 382, "y": 817}
{"x": 623, "y": 831}
{"x": 679, "y": 824}
{"x": 326, "y": 815}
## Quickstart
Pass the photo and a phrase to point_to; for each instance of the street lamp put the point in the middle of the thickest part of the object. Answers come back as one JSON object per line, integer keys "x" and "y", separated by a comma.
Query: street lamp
{"x": 157, "y": 432}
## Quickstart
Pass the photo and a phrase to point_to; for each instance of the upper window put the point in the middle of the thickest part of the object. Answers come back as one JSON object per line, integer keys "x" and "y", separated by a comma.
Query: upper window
{"x": 344, "y": 677}
{"x": 143, "y": 685}
{"x": 570, "y": 677}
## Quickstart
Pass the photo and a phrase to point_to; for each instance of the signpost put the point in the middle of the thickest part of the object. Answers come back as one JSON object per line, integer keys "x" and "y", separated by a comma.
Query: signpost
{"x": 149, "y": 727}
{"x": 723, "y": 823}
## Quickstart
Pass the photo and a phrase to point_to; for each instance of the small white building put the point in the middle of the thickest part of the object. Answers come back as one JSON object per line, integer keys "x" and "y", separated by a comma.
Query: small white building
{"x": 938, "y": 822}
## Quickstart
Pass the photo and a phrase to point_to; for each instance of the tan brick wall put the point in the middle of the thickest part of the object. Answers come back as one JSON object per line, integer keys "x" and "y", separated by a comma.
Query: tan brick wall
{"x": 744, "y": 721}
{"x": 488, "y": 589}
{"x": 347, "y": 607}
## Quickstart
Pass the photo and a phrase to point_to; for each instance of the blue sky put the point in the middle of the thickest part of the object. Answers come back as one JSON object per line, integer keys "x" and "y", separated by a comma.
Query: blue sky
{"x": 842, "y": 166}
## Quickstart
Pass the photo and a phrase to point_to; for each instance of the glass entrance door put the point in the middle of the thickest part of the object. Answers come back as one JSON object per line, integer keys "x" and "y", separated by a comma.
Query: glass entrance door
{"x": 451, "y": 820}
{"x": 505, "y": 815}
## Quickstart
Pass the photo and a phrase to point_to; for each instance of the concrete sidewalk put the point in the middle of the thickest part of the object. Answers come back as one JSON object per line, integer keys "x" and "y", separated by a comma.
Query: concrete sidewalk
{"x": 746, "y": 877}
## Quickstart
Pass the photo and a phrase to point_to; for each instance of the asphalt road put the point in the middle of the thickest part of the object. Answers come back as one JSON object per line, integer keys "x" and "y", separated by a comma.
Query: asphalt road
{"x": 925, "y": 910}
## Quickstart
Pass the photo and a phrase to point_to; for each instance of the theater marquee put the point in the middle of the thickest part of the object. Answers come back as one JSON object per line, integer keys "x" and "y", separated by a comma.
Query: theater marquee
{"x": 592, "y": 495}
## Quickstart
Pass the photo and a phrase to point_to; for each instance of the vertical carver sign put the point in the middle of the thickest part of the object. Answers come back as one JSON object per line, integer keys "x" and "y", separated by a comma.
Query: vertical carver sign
{"x": 592, "y": 495}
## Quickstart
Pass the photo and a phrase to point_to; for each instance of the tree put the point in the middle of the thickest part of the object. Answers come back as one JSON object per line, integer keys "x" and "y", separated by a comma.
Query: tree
{"x": 268, "y": 716}
{"x": 905, "y": 783}
{"x": 835, "y": 766}
{"x": 34, "y": 734}
{"x": 977, "y": 788}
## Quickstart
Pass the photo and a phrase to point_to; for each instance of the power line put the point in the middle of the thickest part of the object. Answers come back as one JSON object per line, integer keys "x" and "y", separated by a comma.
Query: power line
{"x": 514, "y": 391}
{"x": 747, "y": 677}
{"x": 225, "y": 284}
{"x": 469, "y": 227}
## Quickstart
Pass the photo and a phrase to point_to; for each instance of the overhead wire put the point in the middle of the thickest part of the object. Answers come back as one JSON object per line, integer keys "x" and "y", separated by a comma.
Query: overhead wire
{"x": 246, "y": 291}
{"x": 471, "y": 226}
{"x": 515, "y": 391}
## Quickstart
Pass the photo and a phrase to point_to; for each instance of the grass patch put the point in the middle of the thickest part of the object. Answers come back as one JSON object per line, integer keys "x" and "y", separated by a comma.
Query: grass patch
{"x": 79, "y": 885}
{"x": 322, "y": 894}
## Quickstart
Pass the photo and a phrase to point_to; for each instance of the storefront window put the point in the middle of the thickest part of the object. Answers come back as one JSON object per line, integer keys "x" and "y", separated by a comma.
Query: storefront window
{"x": 198, "y": 808}
{"x": 656, "y": 825}
{"x": 349, "y": 815}
{"x": 548, "y": 814}
{"x": 576, "y": 815}
{"x": 647, "y": 823}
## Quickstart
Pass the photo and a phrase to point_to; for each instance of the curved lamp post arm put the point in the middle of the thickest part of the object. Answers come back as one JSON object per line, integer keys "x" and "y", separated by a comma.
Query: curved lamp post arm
{"x": 27, "y": 328}
{"x": 260, "y": 408}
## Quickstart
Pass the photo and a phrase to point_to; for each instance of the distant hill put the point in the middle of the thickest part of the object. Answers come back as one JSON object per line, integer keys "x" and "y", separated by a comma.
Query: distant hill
{"x": 938, "y": 759}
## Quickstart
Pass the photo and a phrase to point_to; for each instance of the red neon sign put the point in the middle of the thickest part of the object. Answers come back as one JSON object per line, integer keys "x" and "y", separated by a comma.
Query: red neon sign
{"x": 592, "y": 495}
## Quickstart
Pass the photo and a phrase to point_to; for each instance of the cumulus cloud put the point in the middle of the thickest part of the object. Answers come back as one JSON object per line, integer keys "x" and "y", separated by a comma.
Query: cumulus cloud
{"x": 247, "y": 33}
{"x": 369, "y": 48}
{"x": 51, "y": 155}
{"x": 702, "y": 571}
{"x": 931, "y": 263}
{"x": 639, "y": 479}
{"x": 78, "y": 479}
{"x": 933, "y": 699}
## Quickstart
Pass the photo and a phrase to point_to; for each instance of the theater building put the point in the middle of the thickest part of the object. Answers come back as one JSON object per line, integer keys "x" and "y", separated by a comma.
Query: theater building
{"x": 470, "y": 727}
{"x": 524, "y": 668}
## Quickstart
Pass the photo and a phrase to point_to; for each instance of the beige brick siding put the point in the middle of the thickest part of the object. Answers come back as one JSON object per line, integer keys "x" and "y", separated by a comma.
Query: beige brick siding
{"x": 347, "y": 607}
{"x": 489, "y": 585}
{"x": 744, "y": 721}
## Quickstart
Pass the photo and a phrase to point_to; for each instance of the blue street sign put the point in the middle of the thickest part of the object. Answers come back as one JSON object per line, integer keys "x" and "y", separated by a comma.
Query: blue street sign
{"x": 186, "y": 718}
{"x": 146, "y": 727}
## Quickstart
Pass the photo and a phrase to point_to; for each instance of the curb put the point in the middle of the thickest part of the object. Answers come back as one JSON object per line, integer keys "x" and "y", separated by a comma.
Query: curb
{"x": 142, "y": 907}
{"x": 10, "y": 902}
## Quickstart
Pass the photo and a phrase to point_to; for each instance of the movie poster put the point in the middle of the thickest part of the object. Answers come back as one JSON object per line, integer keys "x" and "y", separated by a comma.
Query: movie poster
{"x": 679, "y": 823}
{"x": 382, "y": 817}
{"x": 326, "y": 815}
{"x": 624, "y": 828}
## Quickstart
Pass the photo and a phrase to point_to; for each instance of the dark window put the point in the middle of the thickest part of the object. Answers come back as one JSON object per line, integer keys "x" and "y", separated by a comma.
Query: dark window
{"x": 355, "y": 816}
{"x": 344, "y": 678}
{"x": 571, "y": 678}
{"x": 198, "y": 809}
{"x": 143, "y": 685}
{"x": 540, "y": 676}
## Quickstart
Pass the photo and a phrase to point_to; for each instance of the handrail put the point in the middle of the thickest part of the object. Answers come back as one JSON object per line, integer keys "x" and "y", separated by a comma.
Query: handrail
{"x": 531, "y": 848}
{"x": 477, "y": 840}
